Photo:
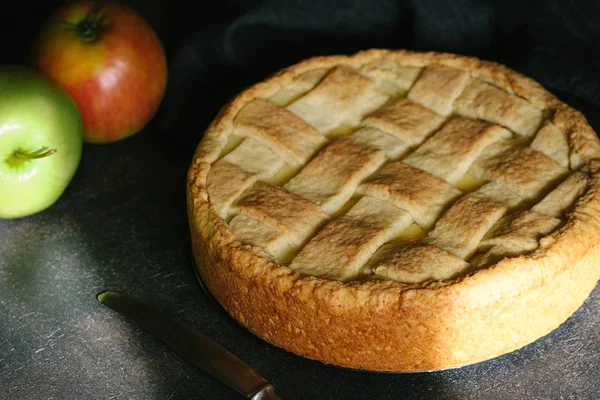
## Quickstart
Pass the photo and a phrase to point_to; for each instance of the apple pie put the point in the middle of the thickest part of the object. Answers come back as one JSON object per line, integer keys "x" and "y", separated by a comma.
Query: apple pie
{"x": 397, "y": 211}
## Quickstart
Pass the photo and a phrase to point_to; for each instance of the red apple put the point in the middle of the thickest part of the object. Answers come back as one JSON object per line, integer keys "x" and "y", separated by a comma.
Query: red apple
{"x": 109, "y": 60}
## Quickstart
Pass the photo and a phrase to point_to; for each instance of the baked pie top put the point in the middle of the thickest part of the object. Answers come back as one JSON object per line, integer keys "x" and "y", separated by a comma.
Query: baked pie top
{"x": 395, "y": 166}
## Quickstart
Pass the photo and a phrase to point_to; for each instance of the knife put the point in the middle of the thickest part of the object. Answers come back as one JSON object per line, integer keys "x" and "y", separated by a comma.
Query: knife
{"x": 195, "y": 347}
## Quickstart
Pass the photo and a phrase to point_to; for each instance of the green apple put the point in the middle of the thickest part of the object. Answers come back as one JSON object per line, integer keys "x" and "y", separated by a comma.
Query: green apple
{"x": 40, "y": 141}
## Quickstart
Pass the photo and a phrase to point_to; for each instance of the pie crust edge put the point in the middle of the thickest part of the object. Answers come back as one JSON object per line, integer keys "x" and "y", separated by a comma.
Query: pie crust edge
{"x": 385, "y": 326}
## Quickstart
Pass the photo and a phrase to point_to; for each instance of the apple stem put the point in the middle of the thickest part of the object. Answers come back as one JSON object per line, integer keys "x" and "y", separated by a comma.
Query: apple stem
{"x": 90, "y": 27}
{"x": 41, "y": 153}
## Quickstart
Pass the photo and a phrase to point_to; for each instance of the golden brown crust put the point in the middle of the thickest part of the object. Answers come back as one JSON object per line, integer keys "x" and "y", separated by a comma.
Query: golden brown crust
{"x": 343, "y": 97}
{"x": 405, "y": 119}
{"x": 416, "y": 263}
{"x": 462, "y": 227}
{"x": 523, "y": 170}
{"x": 422, "y": 194}
{"x": 438, "y": 87}
{"x": 553, "y": 142}
{"x": 449, "y": 153}
{"x": 485, "y": 101}
{"x": 288, "y": 134}
{"x": 330, "y": 179}
{"x": 294, "y": 216}
{"x": 386, "y": 325}
{"x": 345, "y": 244}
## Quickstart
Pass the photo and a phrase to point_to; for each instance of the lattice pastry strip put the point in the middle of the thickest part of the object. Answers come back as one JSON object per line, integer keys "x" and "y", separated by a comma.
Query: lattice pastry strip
{"x": 345, "y": 244}
{"x": 462, "y": 227}
{"x": 501, "y": 194}
{"x": 438, "y": 87}
{"x": 343, "y": 97}
{"x": 223, "y": 195}
{"x": 382, "y": 71}
{"x": 415, "y": 263}
{"x": 524, "y": 171}
{"x": 520, "y": 233}
{"x": 553, "y": 142}
{"x": 558, "y": 201}
{"x": 481, "y": 100}
{"x": 293, "y": 216}
{"x": 280, "y": 129}
{"x": 405, "y": 119}
{"x": 449, "y": 152}
{"x": 456, "y": 236}
{"x": 302, "y": 84}
{"x": 255, "y": 158}
{"x": 392, "y": 146}
{"x": 423, "y": 195}
{"x": 330, "y": 179}
{"x": 240, "y": 168}
{"x": 514, "y": 235}
{"x": 251, "y": 231}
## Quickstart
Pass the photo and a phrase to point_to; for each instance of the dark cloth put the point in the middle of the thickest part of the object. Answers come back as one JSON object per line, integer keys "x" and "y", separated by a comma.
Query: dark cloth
{"x": 555, "y": 42}
{"x": 217, "y": 48}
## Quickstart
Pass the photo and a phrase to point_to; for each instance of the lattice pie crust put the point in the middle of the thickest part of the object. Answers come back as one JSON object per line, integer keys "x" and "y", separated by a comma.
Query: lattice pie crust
{"x": 397, "y": 211}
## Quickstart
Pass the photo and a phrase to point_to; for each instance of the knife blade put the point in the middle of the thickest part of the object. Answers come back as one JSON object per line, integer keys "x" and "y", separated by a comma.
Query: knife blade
{"x": 195, "y": 347}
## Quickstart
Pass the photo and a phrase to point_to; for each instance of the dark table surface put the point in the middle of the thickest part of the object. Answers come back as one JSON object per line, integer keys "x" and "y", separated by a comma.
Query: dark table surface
{"x": 122, "y": 225}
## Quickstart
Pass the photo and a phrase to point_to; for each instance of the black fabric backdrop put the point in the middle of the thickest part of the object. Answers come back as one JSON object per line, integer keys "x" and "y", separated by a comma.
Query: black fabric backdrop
{"x": 217, "y": 48}
{"x": 555, "y": 42}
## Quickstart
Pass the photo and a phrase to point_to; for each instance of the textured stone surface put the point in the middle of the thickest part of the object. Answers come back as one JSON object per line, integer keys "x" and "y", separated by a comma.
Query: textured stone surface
{"x": 121, "y": 225}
